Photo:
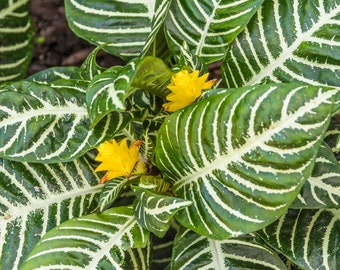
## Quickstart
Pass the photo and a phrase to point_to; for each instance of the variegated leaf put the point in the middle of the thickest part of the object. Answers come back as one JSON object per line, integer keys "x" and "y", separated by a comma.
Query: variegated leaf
{"x": 148, "y": 115}
{"x": 35, "y": 198}
{"x": 94, "y": 241}
{"x": 155, "y": 211}
{"x": 309, "y": 238}
{"x": 16, "y": 39}
{"x": 193, "y": 251}
{"x": 49, "y": 123}
{"x": 90, "y": 68}
{"x": 147, "y": 148}
{"x": 161, "y": 9}
{"x": 50, "y": 75}
{"x": 287, "y": 41}
{"x": 207, "y": 27}
{"x": 243, "y": 157}
{"x": 159, "y": 47}
{"x": 332, "y": 137}
{"x": 322, "y": 189}
{"x": 111, "y": 191}
{"x": 126, "y": 28}
{"x": 108, "y": 91}
{"x": 193, "y": 62}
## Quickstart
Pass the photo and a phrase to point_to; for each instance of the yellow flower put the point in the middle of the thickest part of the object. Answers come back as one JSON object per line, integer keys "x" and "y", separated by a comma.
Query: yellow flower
{"x": 119, "y": 159}
{"x": 186, "y": 88}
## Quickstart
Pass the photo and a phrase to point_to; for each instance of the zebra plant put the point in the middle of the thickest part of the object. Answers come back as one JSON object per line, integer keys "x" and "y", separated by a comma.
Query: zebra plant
{"x": 244, "y": 176}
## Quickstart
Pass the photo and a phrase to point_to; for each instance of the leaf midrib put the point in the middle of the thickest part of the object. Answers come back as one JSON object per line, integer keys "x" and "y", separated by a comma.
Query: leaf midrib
{"x": 253, "y": 143}
{"x": 287, "y": 52}
{"x": 57, "y": 111}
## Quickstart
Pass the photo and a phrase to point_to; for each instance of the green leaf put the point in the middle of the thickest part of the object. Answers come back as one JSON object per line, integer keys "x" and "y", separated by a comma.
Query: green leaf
{"x": 95, "y": 241}
{"x": 287, "y": 41}
{"x": 50, "y": 75}
{"x": 243, "y": 157}
{"x": 192, "y": 62}
{"x": 147, "y": 149}
{"x": 128, "y": 28}
{"x": 16, "y": 40}
{"x": 49, "y": 123}
{"x": 154, "y": 211}
{"x": 111, "y": 191}
{"x": 159, "y": 47}
{"x": 322, "y": 189}
{"x": 156, "y": 35}
{"x": 193, "y": 251}
{"x": 153, "y": 76}
{"x": 309, "y": 238}
{"x": 35, "y": 198}
{"x": 108, "y": 91}
{"x": 208, "y": 28}
{"x": 332, "y": 137}
{"x": 90, "y": 68}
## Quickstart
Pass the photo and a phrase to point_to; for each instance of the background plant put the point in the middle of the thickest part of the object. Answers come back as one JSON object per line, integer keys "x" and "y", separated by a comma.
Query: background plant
{"x": 246, "y": 177}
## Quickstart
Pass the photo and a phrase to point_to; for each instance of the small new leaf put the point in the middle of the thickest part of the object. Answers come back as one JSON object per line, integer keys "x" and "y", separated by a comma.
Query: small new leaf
{"x": 154, "y": 212}
{"x": 108, "y": 91}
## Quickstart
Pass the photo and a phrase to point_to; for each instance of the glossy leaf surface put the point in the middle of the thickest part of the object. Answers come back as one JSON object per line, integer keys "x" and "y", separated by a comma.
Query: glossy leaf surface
{"x": 242, "y": 157}
{"x": 154, "y": 211}
{"x": 108, "y": 91}
{"x": 287, "y": 41}
{"x": 208, "y": 27}
{"x": 34, "y": 198}
{"x": 194, "y": 251}
{"x": 16, "y": 40}
{"x": 126, "y": 28}
{"x": 95, "y": 241}
{"x": 49, "y": 123}
{"x": 322, "y": 189}
{"x": 309, "y": 238}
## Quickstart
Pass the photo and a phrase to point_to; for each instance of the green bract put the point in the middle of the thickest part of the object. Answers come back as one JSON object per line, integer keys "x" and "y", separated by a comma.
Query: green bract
{"x": 246, "y": 177}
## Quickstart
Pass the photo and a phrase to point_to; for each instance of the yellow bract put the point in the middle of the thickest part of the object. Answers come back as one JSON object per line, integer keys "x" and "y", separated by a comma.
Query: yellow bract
{"x": 118, "y": 159}
{"x": 186, "y": 88}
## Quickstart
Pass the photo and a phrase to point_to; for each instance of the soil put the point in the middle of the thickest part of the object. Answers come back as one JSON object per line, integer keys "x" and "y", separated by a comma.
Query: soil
{"x": 57, "y": 45}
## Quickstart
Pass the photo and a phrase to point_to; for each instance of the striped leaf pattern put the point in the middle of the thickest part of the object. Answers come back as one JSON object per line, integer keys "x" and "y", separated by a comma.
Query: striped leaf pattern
{"x": 147, "y": 148}
{"x": 287, "y": 41}
{"x": 241, "y": 158}
{"x": 16, "y": 39}
{"x": 154, "y": 212}
{"x": 161, "y": 9}
{"x": 107, "y": 91}
{"x": 49, "y": 123}
{"x": 332, "y": 137}
{"x": 53, "y": 74}
{"x": 322, "y": 190}
{"x": 309, "y": 238}
{"x": 208, "y": 27}
{"x": 89, "y": 67}
{"x": 127, "y": 27}
{"x": 35, "y": 198}
{"x": 94, "y": 241}
{"x": 193, "y": 251}
{"x": 111, "y": 191}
